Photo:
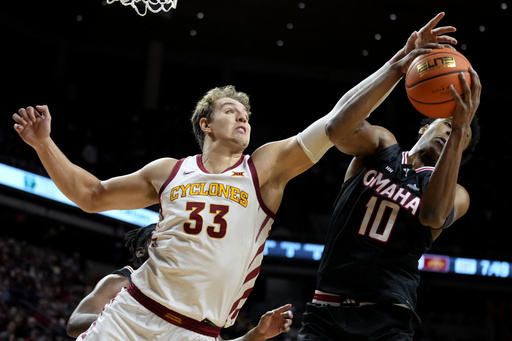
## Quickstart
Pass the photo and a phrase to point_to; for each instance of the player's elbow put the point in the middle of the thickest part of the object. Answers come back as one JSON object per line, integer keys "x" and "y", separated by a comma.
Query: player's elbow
{"x": 90, "y": 208}
{"x": 72, "y": 330}
{"x": 333, "y": 131}
{"x": 434, "y": 220}
{"x": 432, "y": 223}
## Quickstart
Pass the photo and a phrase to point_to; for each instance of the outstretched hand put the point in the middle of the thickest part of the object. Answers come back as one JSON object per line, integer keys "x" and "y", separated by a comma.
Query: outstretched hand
{"x": 431, "y": 34}
{"x": 275, "y": 322}
{"x": 33, "y": 125}
{"x": 427, "y": 38}
{"x": 423, "y": 41}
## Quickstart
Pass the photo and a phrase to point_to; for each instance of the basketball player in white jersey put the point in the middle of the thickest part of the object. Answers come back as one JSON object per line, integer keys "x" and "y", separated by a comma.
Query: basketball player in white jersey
{"x": 216, "y": 210}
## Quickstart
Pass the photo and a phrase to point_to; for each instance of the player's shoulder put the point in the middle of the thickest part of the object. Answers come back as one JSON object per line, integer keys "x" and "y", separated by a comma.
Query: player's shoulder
{"x": 386, "y": 138}
{"x": 159, "y": 168}
{"x": 162, "y": 162}
{"x": 112, "y": 281}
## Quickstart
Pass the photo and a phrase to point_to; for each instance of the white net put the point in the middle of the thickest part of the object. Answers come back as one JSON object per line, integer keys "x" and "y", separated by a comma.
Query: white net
{"x": 143, "y": 6}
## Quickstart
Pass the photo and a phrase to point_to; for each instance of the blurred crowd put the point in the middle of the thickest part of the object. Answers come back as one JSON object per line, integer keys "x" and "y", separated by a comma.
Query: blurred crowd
{"x": 41, "y": 286}
{"x": 39, "y": 290}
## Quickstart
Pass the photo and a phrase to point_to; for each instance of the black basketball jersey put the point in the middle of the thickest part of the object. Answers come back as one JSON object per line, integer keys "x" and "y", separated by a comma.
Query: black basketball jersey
{"x": 125, "y": 271}
{"x": 375, "y": 238}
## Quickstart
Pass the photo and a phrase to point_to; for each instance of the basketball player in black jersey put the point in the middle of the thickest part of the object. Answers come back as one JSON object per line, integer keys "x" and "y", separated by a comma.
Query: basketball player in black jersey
{"x": 87, "y": 311}
{"x": 393, "y": 204}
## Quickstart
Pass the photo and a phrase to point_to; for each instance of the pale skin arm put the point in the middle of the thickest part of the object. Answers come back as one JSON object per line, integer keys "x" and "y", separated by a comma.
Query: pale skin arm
{"x": 92, "y": 305}
{"x": 271, "y": 324}
{"x": 348, "y": 129}
{"x": 279, "y": 162}
{"x": 135, "y": 190}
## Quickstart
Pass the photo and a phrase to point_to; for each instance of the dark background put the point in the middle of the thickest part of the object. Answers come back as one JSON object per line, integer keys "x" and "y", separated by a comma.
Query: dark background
{"x": 121, "y": 89}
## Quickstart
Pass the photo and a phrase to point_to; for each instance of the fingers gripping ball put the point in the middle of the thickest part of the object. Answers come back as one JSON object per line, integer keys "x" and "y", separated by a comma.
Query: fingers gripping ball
{"x": 428, "y": 80}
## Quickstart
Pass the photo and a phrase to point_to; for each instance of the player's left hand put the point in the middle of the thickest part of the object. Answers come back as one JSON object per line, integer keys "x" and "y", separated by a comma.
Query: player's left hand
{"x": 275, "y": 322}
{"x": 431, "y": 34}
{"x": 468, "y": 103}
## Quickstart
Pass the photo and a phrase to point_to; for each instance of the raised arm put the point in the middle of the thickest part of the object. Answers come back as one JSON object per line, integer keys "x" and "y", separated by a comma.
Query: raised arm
{"x": 443, "y": 194}
{"x": 136, "y": 190}
{"x": 347, "y": 127}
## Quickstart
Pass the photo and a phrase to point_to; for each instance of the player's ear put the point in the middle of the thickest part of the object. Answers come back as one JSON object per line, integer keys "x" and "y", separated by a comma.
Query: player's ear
{"x": 423, "y": 129}
{"x": 204, "y": 124}
{"x": 140, "y": 252}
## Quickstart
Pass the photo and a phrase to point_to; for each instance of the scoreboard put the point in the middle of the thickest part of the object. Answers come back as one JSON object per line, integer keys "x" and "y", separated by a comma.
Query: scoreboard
{"x": 428, "y": 262}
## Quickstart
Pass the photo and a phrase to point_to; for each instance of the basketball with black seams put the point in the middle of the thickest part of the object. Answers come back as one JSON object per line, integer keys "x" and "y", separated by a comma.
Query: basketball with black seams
{"x": 428, "y": 80}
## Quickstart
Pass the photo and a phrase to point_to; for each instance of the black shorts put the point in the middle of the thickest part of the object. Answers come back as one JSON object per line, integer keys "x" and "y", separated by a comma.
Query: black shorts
{"x": 377, "y": 322}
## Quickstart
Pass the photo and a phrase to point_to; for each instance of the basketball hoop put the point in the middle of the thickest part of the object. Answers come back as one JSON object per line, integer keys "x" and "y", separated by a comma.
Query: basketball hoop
{"x": 143, "y": 6}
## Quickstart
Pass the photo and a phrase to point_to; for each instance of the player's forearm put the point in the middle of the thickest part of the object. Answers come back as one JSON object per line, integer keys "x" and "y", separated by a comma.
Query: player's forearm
{"x": 368, "y": 80}
{"x": 74, "y": 182}
{"x": 252, "y": 335}
{"x": 314, "y": 139}
{"x": 79, "y": 323}
{"x": 439, "y": 196}
{"x": 351, "y": 115}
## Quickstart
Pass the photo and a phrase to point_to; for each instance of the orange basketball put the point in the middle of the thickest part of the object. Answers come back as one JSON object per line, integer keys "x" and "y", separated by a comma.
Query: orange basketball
{"x": 428, "y": 79}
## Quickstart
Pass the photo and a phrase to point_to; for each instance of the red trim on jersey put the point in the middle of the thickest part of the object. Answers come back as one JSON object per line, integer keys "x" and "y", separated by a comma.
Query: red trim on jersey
{"x": 260, "y": 250}
{"x": 235, "y": 311}
{"x": 253, "y": 274}
{"x": 404, "y": 157}
{"x": 263, "y": 224}
{"x": 325, "y": 297}
{"x": 172, "y": 316}
{"x": 421, "y": 169}
{"x": 199, "y": 161}
{"x": 256, "y": 182}
{"x": 171, "y": 176}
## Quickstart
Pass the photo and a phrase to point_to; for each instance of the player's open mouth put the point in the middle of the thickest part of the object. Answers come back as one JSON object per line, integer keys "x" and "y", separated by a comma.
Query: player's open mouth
{"x": 441, "y": 141}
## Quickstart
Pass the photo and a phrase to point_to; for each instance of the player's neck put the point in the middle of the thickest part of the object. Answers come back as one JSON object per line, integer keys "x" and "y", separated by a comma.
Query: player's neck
{"x": 419, "y": 158}
{"x": 216, "y": 162}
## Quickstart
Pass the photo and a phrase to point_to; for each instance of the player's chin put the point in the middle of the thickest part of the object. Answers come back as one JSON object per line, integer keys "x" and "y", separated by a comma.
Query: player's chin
{"x": 242, "y": 142}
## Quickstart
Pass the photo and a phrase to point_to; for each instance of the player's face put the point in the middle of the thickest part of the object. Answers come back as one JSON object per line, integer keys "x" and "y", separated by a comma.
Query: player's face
{"x": 437, "y": 133}
{"x": 231, "y": 121}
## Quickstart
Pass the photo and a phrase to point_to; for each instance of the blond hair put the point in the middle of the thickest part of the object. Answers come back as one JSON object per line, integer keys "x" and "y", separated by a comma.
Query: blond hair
{"x": 206, "y": 105}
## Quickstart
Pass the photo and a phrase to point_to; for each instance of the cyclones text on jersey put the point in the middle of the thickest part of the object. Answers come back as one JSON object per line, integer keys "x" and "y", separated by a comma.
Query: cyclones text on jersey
{"x": 213, "y": 189}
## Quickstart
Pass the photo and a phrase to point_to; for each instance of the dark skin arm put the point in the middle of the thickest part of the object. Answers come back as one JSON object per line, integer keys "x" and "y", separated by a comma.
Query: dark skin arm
{"x": 443, "y": 194}
{"x": 92, "y": 305}
{"x": 352, "y": 134}
{"x": 271, "y": 324}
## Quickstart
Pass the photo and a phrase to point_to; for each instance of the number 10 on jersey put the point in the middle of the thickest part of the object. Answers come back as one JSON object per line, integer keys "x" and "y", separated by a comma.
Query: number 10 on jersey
{"x": 377, "y": 231}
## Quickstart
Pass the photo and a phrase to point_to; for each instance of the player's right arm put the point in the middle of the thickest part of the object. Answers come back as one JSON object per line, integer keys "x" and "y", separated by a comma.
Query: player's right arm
{"x": 132, "y": 191}
{"x": 347, "y": 128}
{"x": 92, "y": 305}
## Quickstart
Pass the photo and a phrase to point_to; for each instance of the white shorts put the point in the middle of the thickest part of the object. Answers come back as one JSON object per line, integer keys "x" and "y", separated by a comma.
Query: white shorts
{"x": 124, "y": 319}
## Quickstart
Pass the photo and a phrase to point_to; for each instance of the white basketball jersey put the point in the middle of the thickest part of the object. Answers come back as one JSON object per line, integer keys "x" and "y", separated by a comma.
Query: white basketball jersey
{"x": 208, "y": 246}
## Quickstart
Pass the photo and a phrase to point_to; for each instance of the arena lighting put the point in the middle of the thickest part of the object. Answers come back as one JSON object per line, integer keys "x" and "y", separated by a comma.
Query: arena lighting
{"x": 428, "y": 262}
{"x": 44, "y": 187}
